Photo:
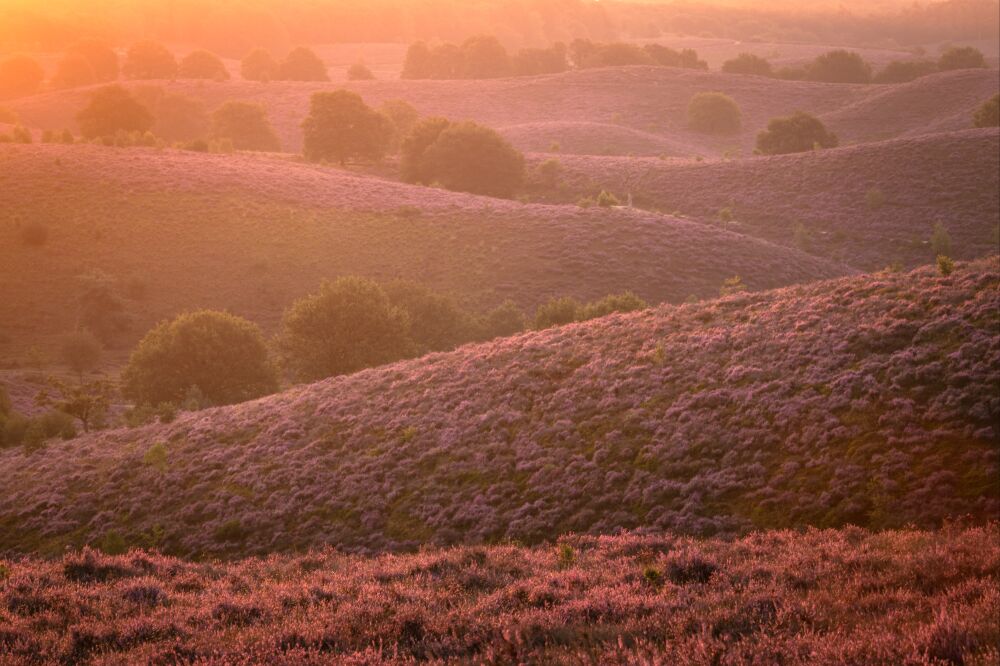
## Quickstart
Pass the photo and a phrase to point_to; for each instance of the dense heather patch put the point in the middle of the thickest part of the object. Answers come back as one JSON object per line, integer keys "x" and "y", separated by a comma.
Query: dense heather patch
{"x": 814, "y": 597}
{"x": 870, "y": 400}
{"x": 822, "y": 202}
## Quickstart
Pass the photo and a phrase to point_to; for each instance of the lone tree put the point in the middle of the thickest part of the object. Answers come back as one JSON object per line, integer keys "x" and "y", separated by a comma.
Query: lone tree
{"x": 112, "y": 109}
{"x": 101, "y": 57}
{"x": 471, "y": 158}
{"x": 840, "y": 66}
{"x": 797, "y": 133}
{"x": 714, "y": 113}
{"x": 748, "y": 63}
{"x": 302, "y": 64}
{"x": 203, "y": 65}
{"x": 149, "y": 60}
{"x": 961, "y": 57}
{"x": 246, "y": 125}
{"x": 87, "y": 402}
{"x": 340, "y": 126}
{"x": 259, "y": 65}
{"x": 348, "y": 325}
{"x": 988, "y": 115}
{"x": 423, "y": 134}
{"x": 224, "y": 356}
{"x": 73, "y": 71}
{"x": 19, "y": 75}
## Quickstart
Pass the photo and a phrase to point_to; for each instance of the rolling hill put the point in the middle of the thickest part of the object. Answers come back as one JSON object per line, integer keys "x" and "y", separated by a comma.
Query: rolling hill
{"x": 250, "y": 233}
{"x": 870, "y": 400}
{"x": 651, "y": 100}
{"x": 850, "y": 206}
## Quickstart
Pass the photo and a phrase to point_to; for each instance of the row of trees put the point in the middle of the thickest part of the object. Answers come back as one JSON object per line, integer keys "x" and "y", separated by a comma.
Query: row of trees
{"x": 484, "y": 57}
{"x": 842, "y": 66}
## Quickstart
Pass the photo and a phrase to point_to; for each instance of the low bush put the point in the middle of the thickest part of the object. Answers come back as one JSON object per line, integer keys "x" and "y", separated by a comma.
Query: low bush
{"x": 961, "y": 57}
{"x": 797, "y": 133}
{"x": 748, "y": 63}
{"x": 714, "y": 113}
{"x": 360, "y": 72}
{"x": 988, "y": 115}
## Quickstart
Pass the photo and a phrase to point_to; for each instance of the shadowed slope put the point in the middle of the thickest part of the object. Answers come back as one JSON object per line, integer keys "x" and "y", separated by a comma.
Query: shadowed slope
{"x": 868, "y": 400}
{"x": 867, "y": 206}
{"x": 250, "y": 233}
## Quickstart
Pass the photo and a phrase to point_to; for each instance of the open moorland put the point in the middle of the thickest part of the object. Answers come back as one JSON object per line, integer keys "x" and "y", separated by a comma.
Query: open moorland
{"x": 870, "y": 400}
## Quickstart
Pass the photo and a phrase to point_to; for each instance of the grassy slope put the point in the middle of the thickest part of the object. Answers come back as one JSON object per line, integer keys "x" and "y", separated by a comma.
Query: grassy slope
{"x": 817, "y": 598}
{"x": 868, "y": 400}
{"x": 250, "y": 233}
{"x": 952, "y": 178}
{"x": 581, "y": 108}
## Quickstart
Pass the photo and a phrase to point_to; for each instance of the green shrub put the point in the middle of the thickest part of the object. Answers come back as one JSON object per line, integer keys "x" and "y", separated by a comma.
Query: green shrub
{"x": 624, "y": 302}
{"x": 504, "y": 320}
{"x": 945, "y": 265}
{"x": 748, "y": 63}
{"x": 223, "y": 355}
{"x": 113, "y": 109}
{"x": 259, "y": 65}
{"x": 302, "y": 64}
{"x": 548, "y": 172}
{"x": 402, "y": 117}
{"x": 156, "y": 457}
{"x": 436, "y": 322}
{"x": 467, "y": 157}
{"x": 360, "y": 72}
{"x": 714, "y": 113}
{"x": 797, "y": 133}
{"x": 20, "y": 134}
{"x": 606, "y": 199}
{"x": 961, "y": 57}
{"x": 149, "y": 60}
{"x": 421, "y": 136}
{"x": 203, "y": 65}
{"x": 840, "y": 66}
{"x": 988, "y": 115}
{"x": 246, "y": 125}
{"x": 733, "y": 285}
{"x": 557, "y": 312}
{"x": 350, "y": 324}
{"x": 875, "y": 198}
{"x": 902, "y": 71}
{"x": 340, "y": 126}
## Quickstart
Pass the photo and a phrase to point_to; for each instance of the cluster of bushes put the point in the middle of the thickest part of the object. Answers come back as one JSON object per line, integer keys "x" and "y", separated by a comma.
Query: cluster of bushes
{"x": 119, "y": 117}
{"x": 843, "y": 66}
{"x": 462, "y": 156}
{"x": 18, "y": 134}
{"x": 484, "y": 57}
{"x": 17, "y": 429}
{"x": 301, "y": 64}
{"x": 214, "y": 358}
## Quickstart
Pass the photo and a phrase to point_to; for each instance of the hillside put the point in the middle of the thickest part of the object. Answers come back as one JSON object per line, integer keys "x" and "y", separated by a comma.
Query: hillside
{"x": 870, "y": 400}
{"x": 890, "y": 598}
{"x": 951, "y": 178}
{"x": 250, "y": 233}
{"x": 653, "y": 100}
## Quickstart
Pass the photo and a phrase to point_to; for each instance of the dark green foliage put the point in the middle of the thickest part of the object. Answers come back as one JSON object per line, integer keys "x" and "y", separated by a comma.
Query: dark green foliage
{"x": 668, "y": 57}
{"x": 748, "y": 63}
{"x": 246, "y": 125}
{"x": 87, "y": 402}
{"x": 901, "y": 71}
{"x": 340, "y": 126}
{"x": 531, "y": 62}
{"x": 714, "y": 113}
{"x": 797, "y": 133}
{"x": 945, "y": 265}
{"x": 359, "y": 72}
{"x": 436, "y": 322}
{"x": 467, "y": 157}
{"x": 961, "y": 57}
{"x": 557, "y": 312}
{"x": 19, "y": 75}
{"x": 149, "y": 60}
{"x": 988, "y": 115}
{"x": 113, "y": 109}
{"x": 259, "y": 65}
{"x": 350, "y": 324}
{"x": 203, "y": 65}
{"x": 840, "y": 66}
{"x": 223, "y": 355}
{"x": 504, "y": 320}
{"x": 302, "y": 64}
{"x": 624, "y": 302}
{"x": 423, "y": 134}
{"x": 587, "y": 54}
